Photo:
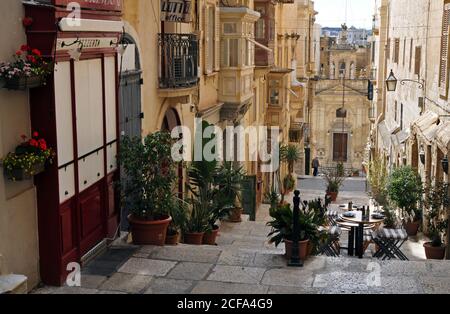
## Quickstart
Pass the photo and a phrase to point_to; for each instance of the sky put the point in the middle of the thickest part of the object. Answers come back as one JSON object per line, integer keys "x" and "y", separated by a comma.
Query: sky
{"x": 332, "y": 12}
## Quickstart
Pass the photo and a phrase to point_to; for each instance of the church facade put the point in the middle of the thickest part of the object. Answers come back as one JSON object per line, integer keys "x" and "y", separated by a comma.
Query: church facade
{"x": 339, "y": 118}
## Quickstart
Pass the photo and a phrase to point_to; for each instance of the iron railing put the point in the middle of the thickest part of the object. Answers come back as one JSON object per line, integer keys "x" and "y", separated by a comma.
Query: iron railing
{"x": 178, "y": 60}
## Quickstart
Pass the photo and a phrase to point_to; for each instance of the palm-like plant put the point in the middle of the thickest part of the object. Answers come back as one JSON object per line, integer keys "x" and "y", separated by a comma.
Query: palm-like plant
{"x": 229, "y": 179}
{"x": 205, "y": 196}
{"x": 290, "y": 154}
{"x": 282, "y": 225}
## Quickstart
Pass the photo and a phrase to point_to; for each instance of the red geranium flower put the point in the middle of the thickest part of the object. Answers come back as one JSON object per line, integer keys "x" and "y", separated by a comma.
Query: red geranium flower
{"x": 25, "y": 48}
{"x": 35, "y": 134}
{"x": 42, "y": 144}
{"x": 36, "y": 52}
{"x": 34, "y": 143}
{"x": 31, "y": 59}
{"x": 19, "y": 53}
{"x": 27, "y": 21}
{"x": 24, "y": 137}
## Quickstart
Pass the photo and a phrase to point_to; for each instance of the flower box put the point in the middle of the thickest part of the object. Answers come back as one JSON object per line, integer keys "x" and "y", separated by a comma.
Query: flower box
{"x": 22, "y": 83}
{"x": 29, "y": 159}
{"x": 28, "y": 70}
{"x": 21, "y": 174}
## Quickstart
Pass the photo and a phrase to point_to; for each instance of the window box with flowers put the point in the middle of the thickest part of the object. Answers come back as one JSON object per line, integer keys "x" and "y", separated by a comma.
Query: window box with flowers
{"x": 28, "y": 70}
{"x": 29, "y": 159}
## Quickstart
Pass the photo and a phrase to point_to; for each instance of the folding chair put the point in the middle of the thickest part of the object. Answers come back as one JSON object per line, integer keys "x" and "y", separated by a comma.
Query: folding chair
{"x": 331, "y": 247}
{"x": 389, "y": 243}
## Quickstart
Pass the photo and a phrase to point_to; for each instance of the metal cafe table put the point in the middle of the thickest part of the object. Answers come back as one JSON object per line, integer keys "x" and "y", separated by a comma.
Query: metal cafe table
{"x": 357, "y": 225}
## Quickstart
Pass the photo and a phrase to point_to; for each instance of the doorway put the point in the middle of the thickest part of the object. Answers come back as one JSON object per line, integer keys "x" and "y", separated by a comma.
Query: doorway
{"x": 130, "y": 109}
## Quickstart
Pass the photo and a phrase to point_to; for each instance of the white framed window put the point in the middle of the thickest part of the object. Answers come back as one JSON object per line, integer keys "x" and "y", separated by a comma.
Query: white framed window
{"x": 230, "y": 52}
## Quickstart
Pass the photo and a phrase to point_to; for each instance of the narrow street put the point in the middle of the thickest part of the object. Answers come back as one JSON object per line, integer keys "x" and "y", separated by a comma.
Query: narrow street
{"x": 243, "y": 262}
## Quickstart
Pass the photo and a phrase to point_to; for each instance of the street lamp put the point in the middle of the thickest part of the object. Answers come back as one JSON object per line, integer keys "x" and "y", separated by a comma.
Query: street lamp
{"x": 391, "y": 82}
{"x": 445, "y": 164}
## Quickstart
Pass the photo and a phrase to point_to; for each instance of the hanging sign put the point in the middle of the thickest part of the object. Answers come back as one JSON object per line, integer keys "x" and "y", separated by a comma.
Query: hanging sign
{"x": 176, "y": 11}
{"x": 104, "y": 5}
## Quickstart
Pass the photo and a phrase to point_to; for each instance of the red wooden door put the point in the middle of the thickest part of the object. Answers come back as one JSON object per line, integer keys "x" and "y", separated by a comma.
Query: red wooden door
{"x": 91, "y": 217}
{"x": 340, "y": 146}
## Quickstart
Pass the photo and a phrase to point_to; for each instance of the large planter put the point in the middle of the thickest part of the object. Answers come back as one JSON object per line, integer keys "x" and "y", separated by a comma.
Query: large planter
{"x": 210, "y": 237}
{"x": 173, "y": 239}
{"x": 194, "y": 238}
{"x": 236, "y": 215}
{"x": 432, "y": 252}
{"x": 333, "y": 196}
{"x": 23, "y": 83}
{"x": 2, "y": 83}
{"x": 303, "y": 248}
{"x": 152, "y": 232}
{"x": 412, "y": 228}
{"x": 21, "y": 174}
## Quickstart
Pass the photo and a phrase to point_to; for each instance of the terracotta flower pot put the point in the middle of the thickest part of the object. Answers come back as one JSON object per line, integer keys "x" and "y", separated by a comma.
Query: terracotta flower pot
{"x": 432, "y": 252}
{"x": 149, "y": 232}
{"x": 210, "y": 237}
{"x": 303, "y": 247}
{"x": 235, "y": 215}
{"x": 194, "y": 238}
{"x": 173, "y": 239}
{"x": 412, "y": 228}
{"x": 333, "y": 196}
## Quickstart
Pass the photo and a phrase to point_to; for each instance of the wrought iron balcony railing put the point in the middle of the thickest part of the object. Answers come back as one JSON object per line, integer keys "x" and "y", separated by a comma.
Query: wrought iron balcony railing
{"x": 178, "y": 60}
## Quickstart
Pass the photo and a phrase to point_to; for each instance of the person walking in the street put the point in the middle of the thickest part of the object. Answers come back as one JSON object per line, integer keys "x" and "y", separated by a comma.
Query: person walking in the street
{"x": 316, "y": 165}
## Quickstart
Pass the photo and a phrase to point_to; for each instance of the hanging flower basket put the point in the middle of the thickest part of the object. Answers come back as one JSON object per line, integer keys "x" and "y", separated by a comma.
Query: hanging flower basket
{"x": 29, "y": 70}
{"x": 29, "y": 159}
{"x": 20, "y": 174}
{"x": 22, "y": 83}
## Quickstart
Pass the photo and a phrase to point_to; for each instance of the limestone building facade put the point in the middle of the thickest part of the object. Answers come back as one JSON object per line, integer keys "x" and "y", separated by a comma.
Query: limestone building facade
{"x": 340, "y": 123}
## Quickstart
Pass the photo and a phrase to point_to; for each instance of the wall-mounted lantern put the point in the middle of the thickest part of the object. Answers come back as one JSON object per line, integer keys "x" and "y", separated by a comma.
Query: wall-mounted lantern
{"x": 445, "y": 164}
{"x": 422, "y": 155}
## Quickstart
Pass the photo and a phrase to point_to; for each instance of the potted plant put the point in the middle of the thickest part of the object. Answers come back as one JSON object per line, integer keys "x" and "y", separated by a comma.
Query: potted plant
{"x": 334, "y": 178}
{"x": 29, "y": 158}
{"x": 282, "y": 229}
{"x": 377, "y": 177}
{"x": 178, "y": 212}
{"x": 290, "y": 154}
{"x": 437, "y": 201}
{"x": 202, "y": 184}
{"x": 147, "y": 187}
{"x": 28, "y": 70}
{"x": 229, "y": 179}
{"x": 197, "y": 223}
{"x": 405, "y": 190}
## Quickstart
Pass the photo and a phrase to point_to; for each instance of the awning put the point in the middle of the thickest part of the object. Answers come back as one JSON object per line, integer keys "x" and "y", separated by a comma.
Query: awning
{"x": 259, "y": 45}
{"x": 400, "y": 137}
{"x": 384, "y": 134}
{"x": 403, "y": 136}
{"x": 443, "y": 136}
{"x": 426, "y": 125}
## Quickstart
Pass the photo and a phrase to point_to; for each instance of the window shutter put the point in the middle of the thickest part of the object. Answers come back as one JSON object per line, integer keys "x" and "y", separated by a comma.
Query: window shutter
{"x": 444, "y": 66}
{"x": 418, "y": 60}
{"x": 206, "y": 39}
{"x": 388, "y": 49}
{"x": 396, "y": 50}
{"x": 217, "y": 32}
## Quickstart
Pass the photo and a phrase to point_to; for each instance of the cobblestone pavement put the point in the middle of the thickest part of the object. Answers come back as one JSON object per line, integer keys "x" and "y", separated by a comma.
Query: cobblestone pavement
{"x": 243, "y": 262}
